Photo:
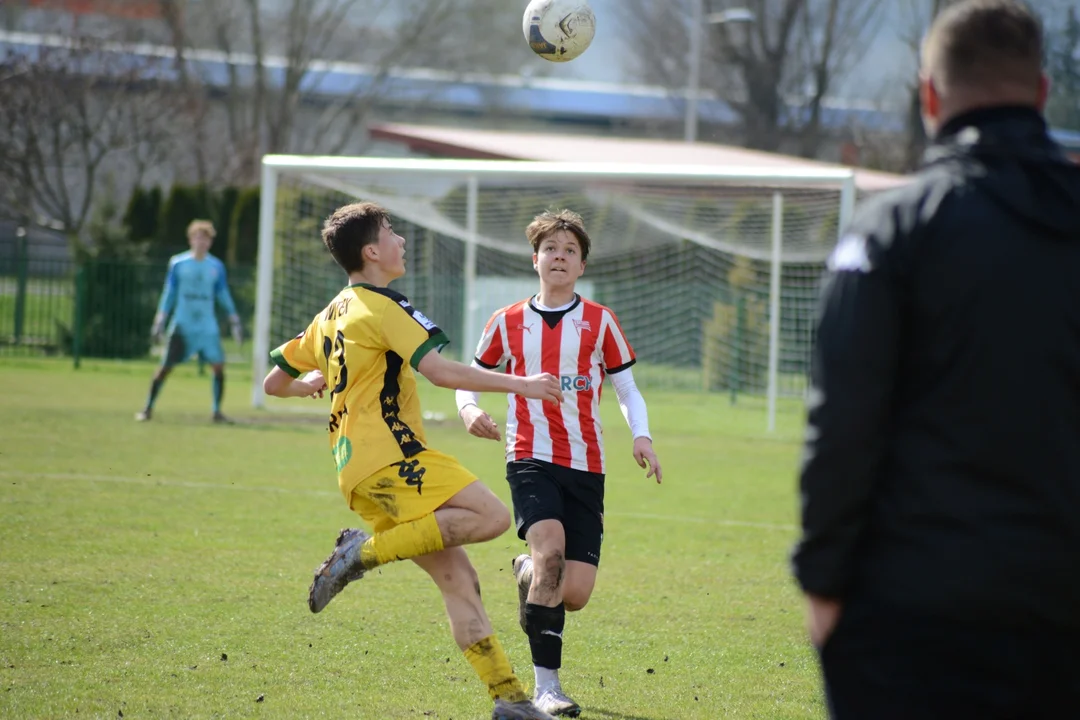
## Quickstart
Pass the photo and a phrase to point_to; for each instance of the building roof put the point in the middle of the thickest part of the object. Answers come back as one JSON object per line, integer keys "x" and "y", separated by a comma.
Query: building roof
{"x": 455, "y": 92}
{"x": 534, "y": 97}
{"x": 490, "y": 144}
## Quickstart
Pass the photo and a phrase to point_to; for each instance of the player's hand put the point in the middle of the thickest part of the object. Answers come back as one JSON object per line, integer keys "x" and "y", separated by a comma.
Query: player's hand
{"x": 316, "y": 384}
{"x": 158, "y": 328}
{"x": 544, "y": 386}
{"x": 822, "y": 614}
{"x": 237, "y": 330}
{"x": 479, "y": 423}
{"x": 646, "y": 457}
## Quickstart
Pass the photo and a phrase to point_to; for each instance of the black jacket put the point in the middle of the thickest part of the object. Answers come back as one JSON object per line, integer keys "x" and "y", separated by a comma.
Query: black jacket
{"x": 941, "y": 472}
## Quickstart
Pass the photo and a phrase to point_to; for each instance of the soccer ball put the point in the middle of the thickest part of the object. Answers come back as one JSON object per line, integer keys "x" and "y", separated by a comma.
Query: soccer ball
{"x": 559, "y": 30}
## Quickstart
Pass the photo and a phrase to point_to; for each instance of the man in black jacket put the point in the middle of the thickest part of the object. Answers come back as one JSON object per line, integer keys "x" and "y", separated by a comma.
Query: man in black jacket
{"x": 940, "y": 553}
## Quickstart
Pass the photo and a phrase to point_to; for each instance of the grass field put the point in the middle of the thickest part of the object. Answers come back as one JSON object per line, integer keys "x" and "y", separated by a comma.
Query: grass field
{"x": 161, "y": 569}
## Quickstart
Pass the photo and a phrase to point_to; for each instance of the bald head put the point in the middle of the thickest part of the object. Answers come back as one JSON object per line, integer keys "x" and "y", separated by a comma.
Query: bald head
{"x": 982, "y": 53}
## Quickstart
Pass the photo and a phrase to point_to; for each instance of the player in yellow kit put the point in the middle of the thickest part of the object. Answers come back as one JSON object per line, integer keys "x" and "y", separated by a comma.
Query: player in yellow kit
{"x": 421, "y": 504}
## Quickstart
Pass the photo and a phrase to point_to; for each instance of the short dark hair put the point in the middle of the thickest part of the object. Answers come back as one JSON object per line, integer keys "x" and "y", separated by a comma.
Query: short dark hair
{"x": 984, "y": 44}
{"x": 550, "y": 222}
{"x": 350, "y": 229}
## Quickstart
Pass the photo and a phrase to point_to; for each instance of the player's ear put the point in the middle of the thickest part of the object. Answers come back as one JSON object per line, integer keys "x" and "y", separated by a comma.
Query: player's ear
{"x": 535, "y": 264}
{"x": 931, "y": 103}
{"x": 1044, "y": 92}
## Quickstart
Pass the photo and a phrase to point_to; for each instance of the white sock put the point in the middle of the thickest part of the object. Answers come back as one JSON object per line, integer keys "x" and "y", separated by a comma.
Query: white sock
{"x": 546, "y": 679}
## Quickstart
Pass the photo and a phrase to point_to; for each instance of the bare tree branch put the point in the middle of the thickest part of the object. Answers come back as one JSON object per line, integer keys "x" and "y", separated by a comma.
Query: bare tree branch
{"x": 776, "y": 74}
{"x": 68, "y": 114}
{"x": 278, "y": 54}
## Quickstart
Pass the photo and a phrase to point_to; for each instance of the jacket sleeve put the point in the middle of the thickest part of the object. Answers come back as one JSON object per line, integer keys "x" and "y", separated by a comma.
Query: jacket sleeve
{"x": 852, "y": 377}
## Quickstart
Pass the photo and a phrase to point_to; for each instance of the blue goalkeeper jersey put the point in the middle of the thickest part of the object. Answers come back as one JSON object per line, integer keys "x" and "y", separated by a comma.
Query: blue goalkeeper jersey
{"x": 191, "y": 289}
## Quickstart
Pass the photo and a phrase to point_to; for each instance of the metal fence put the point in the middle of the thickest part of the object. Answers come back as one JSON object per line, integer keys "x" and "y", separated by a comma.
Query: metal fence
{"x": 92, "y": 309}
{"x": 37, "y": 306}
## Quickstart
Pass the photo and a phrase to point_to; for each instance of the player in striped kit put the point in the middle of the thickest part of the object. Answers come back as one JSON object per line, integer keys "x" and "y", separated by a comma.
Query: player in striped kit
{"x": 555, "y": 455}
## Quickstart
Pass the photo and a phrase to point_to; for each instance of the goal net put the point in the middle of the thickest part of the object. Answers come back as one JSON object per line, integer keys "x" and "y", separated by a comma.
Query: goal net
{"x": 712, "y": 272}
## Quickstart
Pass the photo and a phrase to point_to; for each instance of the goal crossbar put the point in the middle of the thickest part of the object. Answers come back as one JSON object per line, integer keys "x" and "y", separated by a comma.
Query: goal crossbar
{"x": 778, "y": 176}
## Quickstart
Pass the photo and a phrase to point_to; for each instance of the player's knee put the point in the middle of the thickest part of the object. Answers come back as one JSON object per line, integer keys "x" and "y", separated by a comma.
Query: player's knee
{"x": 497, "y": 522}
{"x": 575, "y": 599}
{"x": 549, "y": 569}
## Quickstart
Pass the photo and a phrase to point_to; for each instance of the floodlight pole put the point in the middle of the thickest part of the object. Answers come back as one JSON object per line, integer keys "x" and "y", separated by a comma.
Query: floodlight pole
{"x": 697, "y": 42}
{"x": 697, "y": 39}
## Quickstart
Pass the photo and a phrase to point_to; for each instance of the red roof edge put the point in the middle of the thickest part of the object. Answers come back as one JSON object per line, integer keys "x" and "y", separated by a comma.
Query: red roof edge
{"x": 436, "y": 147}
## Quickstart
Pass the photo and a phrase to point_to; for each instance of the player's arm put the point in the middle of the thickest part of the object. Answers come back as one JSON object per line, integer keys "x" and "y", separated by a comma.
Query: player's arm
{"x": 636, "y": 414}
{"x": 617, "y": 356}
{"x": 167, "y": 302}
{"x": 292, "y": 359}
{"x": 224, "y": 298}
{"x": 477, "y": 421}
{"x": 411, "y": 335}
{"x": 458, "y": 376}
{"x": 852, "y": 377}
{"x": 491, "y": 352}
{"x": 280, "y": 384}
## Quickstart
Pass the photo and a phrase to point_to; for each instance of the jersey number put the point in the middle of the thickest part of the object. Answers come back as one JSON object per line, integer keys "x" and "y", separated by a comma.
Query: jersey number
{"x": 336, "y": 348}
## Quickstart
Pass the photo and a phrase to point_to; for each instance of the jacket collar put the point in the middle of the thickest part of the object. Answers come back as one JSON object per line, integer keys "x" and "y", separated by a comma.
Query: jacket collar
{"x": 1006, "y": 126}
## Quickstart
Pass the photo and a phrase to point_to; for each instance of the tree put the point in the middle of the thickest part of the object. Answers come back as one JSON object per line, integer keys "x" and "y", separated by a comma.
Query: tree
{"x": 183, "y": 204}
{"x": 918, "y": 15}
{"x": 118, "y": 290}
{"x": 775, "y": 73}
{"x": 279, "y": 55}
{"x": 1063, "y": 67}
{"x": 70, "y": 114}
{"x": 1062, "y": 26}
{"x": 243, "y": 246}
{"x": 141, "y": 216}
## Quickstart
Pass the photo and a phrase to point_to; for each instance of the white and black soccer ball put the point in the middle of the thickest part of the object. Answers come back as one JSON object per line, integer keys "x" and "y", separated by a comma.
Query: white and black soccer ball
{"x": 559, "y": 30}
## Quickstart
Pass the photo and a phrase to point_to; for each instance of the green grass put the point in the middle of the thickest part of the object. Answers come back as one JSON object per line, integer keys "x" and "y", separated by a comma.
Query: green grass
{"x": 161, "y": 569}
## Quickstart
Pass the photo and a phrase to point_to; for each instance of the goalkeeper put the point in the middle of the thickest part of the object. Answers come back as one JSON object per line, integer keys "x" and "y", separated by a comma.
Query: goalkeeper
{"x": 195, "y": 282}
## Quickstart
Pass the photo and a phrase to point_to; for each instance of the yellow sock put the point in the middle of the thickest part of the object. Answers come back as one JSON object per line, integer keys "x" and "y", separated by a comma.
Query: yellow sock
{"x": 491, "y": 664}
{"x": 402, "y": 542}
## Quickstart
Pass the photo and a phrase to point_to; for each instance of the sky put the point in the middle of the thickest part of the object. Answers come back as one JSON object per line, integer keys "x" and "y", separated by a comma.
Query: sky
{"x": 888, "y": 63}
{"x": 891, "y": 59}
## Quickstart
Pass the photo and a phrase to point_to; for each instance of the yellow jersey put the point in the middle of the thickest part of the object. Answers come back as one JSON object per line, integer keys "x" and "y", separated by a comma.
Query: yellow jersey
{"x": 364, "y": 343}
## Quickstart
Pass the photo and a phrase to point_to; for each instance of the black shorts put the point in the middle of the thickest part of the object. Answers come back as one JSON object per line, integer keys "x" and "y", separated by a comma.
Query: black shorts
{"x": 544, "y": 491}
{"x": 176, "y": 351}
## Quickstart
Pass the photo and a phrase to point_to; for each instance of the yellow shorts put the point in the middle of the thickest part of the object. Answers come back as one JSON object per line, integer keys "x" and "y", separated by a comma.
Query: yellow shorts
{"x": 409, "y": 490}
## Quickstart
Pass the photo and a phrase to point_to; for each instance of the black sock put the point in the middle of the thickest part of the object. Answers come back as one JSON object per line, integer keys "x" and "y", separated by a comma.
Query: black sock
{"x": 155, "y": 388}
{"x": 219, "y": 390}
{"x": 544, "y": 625}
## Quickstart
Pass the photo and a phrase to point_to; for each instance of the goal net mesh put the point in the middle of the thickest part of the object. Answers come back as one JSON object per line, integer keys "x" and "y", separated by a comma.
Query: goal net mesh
{"x": 685, "y": 264}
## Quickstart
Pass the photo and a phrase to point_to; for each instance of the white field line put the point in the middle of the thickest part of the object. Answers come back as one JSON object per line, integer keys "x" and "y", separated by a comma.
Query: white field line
{"x": 159, "y": 481}
{"x": 152, "y": 480}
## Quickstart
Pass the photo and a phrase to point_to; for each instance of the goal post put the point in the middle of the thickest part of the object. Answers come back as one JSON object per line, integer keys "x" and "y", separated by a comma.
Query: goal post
{"x": 712, "y": 271}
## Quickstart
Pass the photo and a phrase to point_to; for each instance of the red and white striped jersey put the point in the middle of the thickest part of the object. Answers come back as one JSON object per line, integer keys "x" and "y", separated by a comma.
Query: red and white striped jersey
{"x": 579, "y": 345}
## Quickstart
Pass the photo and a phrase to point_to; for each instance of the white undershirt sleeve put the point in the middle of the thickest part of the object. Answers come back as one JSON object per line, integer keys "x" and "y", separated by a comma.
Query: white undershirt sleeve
{"x": 467, "y": 397}
{"x": 631, "y": 403}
